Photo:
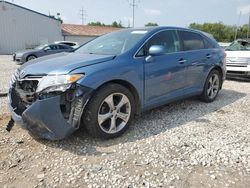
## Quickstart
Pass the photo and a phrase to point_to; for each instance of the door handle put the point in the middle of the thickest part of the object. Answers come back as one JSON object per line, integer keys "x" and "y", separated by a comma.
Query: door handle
{"x": 195, "y": 64}
{"x": 208, "y": 56}
{"x": 182, "y": 61}
{"x": 198, "y": 64}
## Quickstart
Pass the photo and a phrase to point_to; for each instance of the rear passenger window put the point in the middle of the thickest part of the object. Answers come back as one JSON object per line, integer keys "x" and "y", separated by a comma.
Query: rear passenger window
{"x": 208, "y": 44}
{"x": 191, "y": 41}
{"x": 53, "y": 47}
{"x": 62, "y": 47}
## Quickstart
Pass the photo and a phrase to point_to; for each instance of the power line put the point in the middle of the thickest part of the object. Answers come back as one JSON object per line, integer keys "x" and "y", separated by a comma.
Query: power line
{"x": 248, "y": 28}
{"x": 134, "y": 4}
{"x": 83, "y": 14}
{"x": 237, "y": 27}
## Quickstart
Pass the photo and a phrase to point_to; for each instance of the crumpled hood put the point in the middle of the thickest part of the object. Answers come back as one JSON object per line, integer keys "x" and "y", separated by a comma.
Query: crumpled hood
{"x": 61, "y": 63}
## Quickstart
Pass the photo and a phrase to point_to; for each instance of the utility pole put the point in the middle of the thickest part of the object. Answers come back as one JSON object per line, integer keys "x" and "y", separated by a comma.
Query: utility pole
{"x": 134, "y": 4}
{"x": 236, "y": 30}
{"x": 83, "y": 15}
{"x": 248, "y": 29}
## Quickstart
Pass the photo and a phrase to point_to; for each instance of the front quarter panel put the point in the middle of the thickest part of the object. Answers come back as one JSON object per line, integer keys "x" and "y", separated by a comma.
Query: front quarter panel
{"x": 125, "y": 69}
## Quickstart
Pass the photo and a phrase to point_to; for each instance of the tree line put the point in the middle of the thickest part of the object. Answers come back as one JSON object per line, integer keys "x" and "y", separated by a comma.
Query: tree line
{"x": 117, "y": 24}
{"x": 222, "y": 32}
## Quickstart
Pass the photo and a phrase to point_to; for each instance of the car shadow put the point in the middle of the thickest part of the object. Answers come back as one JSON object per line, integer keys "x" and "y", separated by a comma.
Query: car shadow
{"x": 150, "y": 123}
{"x": 238, "y": 79}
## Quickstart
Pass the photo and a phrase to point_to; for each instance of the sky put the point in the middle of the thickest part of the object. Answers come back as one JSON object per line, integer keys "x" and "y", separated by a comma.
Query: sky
{"x": 164, "y": 12}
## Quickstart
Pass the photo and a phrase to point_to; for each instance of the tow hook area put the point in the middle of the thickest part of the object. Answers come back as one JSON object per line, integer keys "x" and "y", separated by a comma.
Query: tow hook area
{"x": 10, "y": 125}
{"x": 51, "y": 116}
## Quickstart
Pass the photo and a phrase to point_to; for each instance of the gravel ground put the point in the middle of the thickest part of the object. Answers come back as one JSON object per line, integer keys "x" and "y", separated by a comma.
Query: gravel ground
{"x": 184, "y": 144}
{"x": 7, "y": 68}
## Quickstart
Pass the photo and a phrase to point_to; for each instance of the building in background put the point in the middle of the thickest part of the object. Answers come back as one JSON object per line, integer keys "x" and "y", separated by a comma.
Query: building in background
{"x": 84, "y": 33}
{"x": 22, "y": 28}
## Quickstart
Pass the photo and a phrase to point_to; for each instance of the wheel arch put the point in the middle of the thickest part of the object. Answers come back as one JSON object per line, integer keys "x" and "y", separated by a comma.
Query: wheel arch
{"x": 29, "y": 56}
{"x": 218, "y": 68}
{"x": 130, "y": 87}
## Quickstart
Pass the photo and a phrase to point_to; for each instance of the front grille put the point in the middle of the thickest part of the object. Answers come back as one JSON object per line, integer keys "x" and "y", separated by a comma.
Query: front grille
{"x": 237, "y": 72}
{"x": 237, "y": 64}
{"x": 25, "y": 88}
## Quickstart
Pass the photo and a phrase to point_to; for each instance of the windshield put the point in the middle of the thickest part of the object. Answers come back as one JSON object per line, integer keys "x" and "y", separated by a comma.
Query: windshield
{"x": 40, "y": 47}
{"x": 114, "y": 43}
{"x": 239, "y": 46}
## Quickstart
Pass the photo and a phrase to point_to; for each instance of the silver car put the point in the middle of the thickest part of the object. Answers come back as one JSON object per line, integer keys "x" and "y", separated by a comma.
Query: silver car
{"x": 43, "y": 50}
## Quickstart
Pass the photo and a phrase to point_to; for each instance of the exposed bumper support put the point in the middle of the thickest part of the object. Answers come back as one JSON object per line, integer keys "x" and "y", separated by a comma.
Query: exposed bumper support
{"x": 44, "y": 118}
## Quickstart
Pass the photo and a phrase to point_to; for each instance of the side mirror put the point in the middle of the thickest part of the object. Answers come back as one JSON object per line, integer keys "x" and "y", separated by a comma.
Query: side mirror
{"x": 157, "y": 50}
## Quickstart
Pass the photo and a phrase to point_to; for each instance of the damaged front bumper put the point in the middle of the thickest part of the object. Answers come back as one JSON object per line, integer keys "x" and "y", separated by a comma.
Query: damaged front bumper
{"x": 51, "y": 116}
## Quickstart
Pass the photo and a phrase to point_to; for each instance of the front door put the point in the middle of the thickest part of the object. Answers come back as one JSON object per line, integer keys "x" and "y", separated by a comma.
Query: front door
{"x": 164, "y": 74}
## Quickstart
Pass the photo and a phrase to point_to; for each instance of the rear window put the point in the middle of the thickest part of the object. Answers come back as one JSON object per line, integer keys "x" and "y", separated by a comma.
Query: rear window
{"x": 239, "y": 46}
{"x": 208, "y": 44}
{"x": 191, "y": 41}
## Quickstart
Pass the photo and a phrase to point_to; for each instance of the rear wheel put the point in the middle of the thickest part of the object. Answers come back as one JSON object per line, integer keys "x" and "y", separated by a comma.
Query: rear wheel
{"x": 109, "y": 112}
{"x": 31, "y": 57}
{"x": 212, "y": 86}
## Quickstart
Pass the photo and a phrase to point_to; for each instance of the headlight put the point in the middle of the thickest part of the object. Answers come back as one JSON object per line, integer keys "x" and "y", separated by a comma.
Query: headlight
{"x": 19, "y": 55}
{"x": 57, "y": 82}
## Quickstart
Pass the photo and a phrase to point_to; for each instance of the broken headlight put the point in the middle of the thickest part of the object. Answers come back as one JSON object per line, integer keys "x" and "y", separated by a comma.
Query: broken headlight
{"x": 54, "y": 83}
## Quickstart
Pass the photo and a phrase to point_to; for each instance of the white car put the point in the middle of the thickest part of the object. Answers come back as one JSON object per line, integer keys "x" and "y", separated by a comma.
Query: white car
{"x": 224, "y": 44}
{"x": 238, "y": 58}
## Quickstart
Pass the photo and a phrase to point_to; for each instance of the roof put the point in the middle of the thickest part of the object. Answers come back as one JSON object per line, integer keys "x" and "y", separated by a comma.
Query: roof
{"x": 86, "y": 30}
{"x": 6, "y": 2}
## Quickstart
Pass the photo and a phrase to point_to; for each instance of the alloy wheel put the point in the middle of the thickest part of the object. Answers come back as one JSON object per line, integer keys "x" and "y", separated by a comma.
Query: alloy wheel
{"x": 114, "y": 113}
{"x": 31, "y": 58}
{"x": 213, "y": 86}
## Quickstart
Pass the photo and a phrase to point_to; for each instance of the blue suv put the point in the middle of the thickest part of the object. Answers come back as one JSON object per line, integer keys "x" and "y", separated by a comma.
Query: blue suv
{"x": 109, "y": 80}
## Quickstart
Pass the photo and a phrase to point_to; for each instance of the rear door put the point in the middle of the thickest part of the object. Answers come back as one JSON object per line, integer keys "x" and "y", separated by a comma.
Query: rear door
{"x": 164, "y": 74}
{"x": 198, "y": 56}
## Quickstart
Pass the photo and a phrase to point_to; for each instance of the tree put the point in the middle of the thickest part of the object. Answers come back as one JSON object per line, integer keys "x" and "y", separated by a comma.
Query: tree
{"x": 150, "y": 24}
{"x": 220, "y": 31}
{"x": 96, "y": 24}
{"x": 114, "y": 24}
{"x": 118, "y": 25}
{"x": 58, "y": 18}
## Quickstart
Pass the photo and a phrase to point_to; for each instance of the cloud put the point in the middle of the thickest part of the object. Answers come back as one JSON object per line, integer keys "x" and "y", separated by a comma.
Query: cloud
{"x": 153, "y": 12}
{"x": 243, "y": 9}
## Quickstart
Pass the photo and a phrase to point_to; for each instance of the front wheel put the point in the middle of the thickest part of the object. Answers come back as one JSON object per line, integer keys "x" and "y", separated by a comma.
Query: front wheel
{"x": 31, "y": 57}
{"x": 109, "y": 112}
{"x": 212, "y": 86}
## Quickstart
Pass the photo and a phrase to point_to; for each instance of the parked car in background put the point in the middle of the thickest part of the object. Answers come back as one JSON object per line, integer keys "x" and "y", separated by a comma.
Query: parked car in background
{"x": 224, "y": 45}
{"x": 238, "y": 58}
{"x": 105, "y": 82}
{"x": 69, "y": 43}
{"x": 43, "y": 50}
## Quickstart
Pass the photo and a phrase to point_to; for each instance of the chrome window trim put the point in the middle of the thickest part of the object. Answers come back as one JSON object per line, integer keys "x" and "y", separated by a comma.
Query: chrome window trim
{"x": 178, "y": 38}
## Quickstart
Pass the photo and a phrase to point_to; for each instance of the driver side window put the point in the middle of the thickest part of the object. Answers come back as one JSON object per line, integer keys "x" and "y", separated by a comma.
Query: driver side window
{"x": 168, "y": 39}
{"x": 47, "y": 48}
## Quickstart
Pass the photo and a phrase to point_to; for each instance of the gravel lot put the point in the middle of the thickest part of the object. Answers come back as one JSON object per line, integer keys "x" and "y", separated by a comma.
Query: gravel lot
{"x": 185, "y": 144}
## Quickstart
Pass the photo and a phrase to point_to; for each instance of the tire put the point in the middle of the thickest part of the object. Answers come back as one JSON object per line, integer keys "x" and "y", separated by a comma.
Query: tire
{"x": 212, "y": 86}
{"x": 31, "y": 57}
{"x": 106, "y": 115}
